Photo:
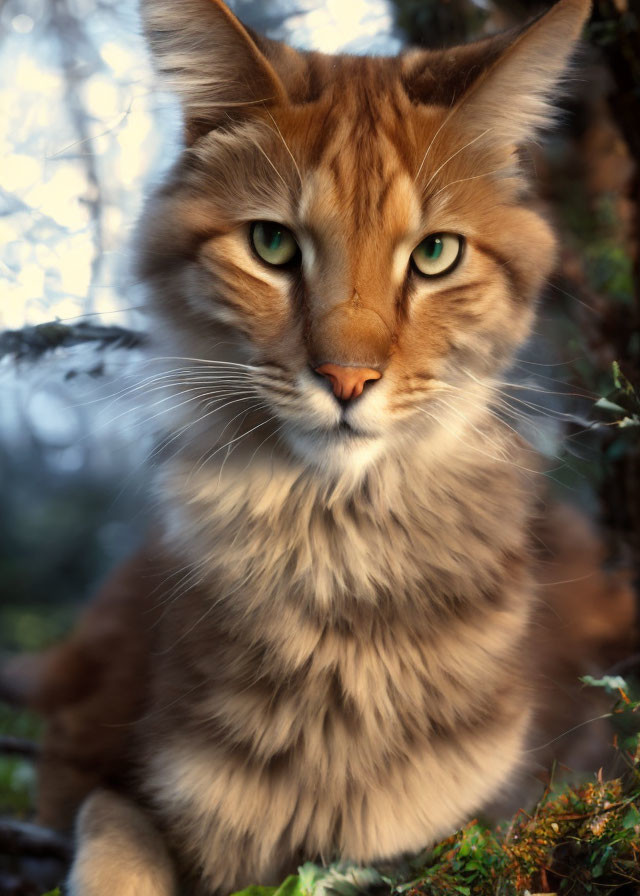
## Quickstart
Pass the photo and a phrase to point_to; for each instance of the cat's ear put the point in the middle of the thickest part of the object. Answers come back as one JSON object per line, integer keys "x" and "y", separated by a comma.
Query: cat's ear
{"x": 511, "y": 100}
{"x": 210, "y": 60}
{"x": 501, "y": 88}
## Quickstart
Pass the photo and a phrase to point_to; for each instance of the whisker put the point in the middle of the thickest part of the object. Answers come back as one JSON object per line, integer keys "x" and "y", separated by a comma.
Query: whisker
{"x": 164, "y": 443}
{"x": 168, "y": 410}
{"x": 453, "y": 155}
{"x": 193, "y": 423}
{"x": 606, "y": 715}
{"x": 446, "y": 121}
{"x": 261, "y": 150}
{"x": 206, "y": 361}
{"x": 164, "y": 377}
{"x": 530, "y": 387}
{"x": 575, "y": 299}
{"x": 209, "y": 455}
{"x": 493, "y": 457}
{"x": 275, "y": 124}
{"x": 248, "y": 432}
{"x": 463, "y": 180}
{"x": 520, "y": 361}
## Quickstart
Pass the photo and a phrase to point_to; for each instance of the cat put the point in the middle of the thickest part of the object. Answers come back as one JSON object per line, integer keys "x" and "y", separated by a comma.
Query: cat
{"x": 330, "y": 649}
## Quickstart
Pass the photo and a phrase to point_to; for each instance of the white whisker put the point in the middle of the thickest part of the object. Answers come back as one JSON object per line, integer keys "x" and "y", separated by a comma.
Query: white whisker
{"x": 453, "y": 155}
{"x": 275, "y": 124}
{"x": 463, "y": 180}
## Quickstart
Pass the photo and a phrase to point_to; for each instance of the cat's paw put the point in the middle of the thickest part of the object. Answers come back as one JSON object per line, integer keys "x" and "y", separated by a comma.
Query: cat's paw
{"x": 119, "y": 851}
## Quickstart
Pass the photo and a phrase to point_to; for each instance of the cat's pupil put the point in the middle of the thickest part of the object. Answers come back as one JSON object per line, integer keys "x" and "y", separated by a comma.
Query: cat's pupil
{"x": 273, "y": 237}
{"x": 433, "y": 248}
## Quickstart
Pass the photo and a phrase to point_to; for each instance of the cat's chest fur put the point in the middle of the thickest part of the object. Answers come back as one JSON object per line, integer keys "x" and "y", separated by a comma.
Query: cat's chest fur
{"x": 423, "y": 528}
{"x": 336, "y": 655}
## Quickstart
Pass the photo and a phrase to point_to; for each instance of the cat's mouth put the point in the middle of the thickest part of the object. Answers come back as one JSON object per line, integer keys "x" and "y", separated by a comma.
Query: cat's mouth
{"x": 336, "y": 448}
{"x": 344, "y": 430}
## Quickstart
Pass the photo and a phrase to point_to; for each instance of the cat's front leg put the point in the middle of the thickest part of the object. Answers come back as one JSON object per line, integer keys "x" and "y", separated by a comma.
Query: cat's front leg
{"x": 119, "y": 851}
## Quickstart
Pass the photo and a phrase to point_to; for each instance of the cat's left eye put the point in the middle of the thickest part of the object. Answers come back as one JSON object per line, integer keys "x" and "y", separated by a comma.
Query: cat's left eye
{"x": 273, "y": 242}
{"x": 438, "y": 254}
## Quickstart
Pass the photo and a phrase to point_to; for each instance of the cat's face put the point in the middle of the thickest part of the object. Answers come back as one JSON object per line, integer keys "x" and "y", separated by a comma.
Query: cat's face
{"x": 366, "y": 217}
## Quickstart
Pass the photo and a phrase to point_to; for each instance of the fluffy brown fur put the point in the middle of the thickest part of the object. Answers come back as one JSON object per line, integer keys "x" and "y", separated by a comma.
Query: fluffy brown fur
{"x": 332, "y": 660}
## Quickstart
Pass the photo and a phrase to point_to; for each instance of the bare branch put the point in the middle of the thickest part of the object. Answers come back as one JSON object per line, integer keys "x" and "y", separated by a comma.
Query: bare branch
{"x": 32, "y": 342}
{"x": 20, "y": 838}
{"x": 75, "y": 53}
{"x": 18, "y": 746}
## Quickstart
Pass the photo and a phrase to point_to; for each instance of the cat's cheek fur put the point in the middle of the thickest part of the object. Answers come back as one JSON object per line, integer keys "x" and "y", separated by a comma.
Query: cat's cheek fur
{"x": 257, "y": 296}
{"x": 529, "y": 239}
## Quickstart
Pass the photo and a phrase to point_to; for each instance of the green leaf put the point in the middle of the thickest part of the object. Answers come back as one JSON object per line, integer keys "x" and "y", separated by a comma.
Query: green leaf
{"x": 253, "y": 890}
{"x": 631, "y": 818}
{"x": 599, "y": 869}
{"x": 620, "y": 379}
{"x": 289, "y": 887}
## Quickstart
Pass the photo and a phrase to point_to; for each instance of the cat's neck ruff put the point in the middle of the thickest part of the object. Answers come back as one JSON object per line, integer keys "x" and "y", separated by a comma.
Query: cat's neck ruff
{"x": 275, "y": 521}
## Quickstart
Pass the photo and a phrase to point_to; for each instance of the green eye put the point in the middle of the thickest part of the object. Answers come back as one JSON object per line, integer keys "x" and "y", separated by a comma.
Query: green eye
{"x": 438, "y": 254}
{"x": 273, "y": 242}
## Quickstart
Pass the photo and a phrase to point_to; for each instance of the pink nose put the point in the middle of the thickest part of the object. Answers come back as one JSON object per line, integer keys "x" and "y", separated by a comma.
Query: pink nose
{"x": 347, "y": 382}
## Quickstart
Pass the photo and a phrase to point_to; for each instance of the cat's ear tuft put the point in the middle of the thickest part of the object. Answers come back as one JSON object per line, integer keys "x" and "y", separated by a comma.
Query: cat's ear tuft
{"x": 210, "y": 60}
{"x": 511, "y": 100}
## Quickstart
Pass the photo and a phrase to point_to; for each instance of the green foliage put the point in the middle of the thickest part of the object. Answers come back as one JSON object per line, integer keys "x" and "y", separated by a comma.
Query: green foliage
{"x": 620, "y": 406}
{"x": 17, "y": 785}
{"x": 598, "y": 230}
{"x": 17, "y": 775}
{"x": 339, "y": 879}
{"x": 35, "y": 627}
{"x": 625, "y": 398}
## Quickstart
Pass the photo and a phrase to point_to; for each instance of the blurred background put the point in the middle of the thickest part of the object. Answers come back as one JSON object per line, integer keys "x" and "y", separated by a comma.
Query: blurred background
{"x": 86, "y": 134}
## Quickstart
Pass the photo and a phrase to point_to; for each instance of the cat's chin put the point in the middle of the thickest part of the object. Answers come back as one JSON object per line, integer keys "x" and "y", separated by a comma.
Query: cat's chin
{"x": 338, "y": 450}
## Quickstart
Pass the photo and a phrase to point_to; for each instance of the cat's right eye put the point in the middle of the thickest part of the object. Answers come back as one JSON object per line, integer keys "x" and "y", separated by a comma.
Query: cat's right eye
{"x": 438, "y": 254}
{"x": 274, "y": 243}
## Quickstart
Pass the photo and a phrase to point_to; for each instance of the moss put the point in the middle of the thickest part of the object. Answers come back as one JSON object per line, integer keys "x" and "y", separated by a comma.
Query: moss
{"x": 17, "y": 775}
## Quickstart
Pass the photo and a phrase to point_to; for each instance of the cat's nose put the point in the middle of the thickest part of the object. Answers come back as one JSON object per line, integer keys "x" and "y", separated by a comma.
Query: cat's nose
{"x": 347, "y": 382}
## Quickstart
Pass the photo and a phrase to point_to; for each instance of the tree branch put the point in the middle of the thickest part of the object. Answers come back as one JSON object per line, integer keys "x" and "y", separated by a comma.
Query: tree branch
{"x": 18, "y": 746}
{"x": 32, "y": 342}
{"x": 22, "y": 838}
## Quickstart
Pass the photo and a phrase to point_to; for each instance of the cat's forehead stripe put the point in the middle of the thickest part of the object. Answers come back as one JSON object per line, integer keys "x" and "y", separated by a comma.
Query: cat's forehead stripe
{"x": 358, "y": 148}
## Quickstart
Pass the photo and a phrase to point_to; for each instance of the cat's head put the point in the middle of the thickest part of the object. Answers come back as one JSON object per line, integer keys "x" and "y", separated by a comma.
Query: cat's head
{"x": 356, "y": 230}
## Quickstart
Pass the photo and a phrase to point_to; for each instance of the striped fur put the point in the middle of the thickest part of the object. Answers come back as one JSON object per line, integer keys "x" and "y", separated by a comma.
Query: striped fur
{"x": 338, "y": 669}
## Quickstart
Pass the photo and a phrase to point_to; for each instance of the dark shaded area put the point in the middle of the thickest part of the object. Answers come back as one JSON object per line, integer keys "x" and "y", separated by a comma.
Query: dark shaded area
{"x": 55, "y": 549}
